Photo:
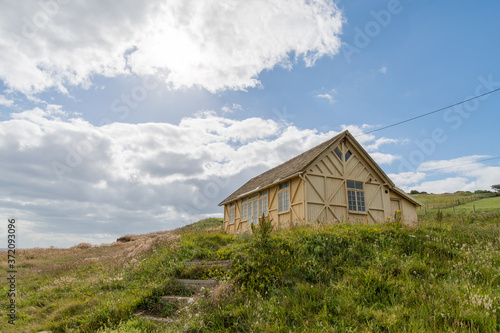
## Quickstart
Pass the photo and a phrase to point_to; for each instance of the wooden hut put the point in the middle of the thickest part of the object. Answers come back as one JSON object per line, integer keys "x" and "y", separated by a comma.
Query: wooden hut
{"x": 333, "y": 182}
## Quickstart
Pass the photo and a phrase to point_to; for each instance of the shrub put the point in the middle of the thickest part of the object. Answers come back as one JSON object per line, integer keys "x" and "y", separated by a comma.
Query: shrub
{"x": 262, "y": 231}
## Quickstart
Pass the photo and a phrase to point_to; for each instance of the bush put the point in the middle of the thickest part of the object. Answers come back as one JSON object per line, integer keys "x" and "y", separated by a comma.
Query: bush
{"x": 266, "y": 262}
{"x": 262, "y": 231}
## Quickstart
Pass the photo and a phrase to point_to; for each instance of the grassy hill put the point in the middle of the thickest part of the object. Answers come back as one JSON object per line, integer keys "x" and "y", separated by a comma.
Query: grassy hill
{"x": 483, "y": 205}
{"x": 440, "y": 276}
{"x": 450, "y": 199}
{"x": 462, "y": 202}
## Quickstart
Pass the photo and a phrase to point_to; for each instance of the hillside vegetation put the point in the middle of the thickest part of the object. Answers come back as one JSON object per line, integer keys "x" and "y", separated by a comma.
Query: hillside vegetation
{"x": 442, "y": 275}
{"x": 445, "y": 200}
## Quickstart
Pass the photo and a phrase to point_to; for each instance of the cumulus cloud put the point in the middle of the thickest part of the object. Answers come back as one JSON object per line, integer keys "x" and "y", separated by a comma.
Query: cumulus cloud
{"x": 461, "y": 164}
{"x": 5, "y": 101}
{"x": 406, "y": 178}
{"x": 468, "y": 173}
{"x": 380, "y": 141}
{"x": 382, "y": 158}
{"x": 231, "y": 108}
{"x": 447, "y": 185}
{"x": 328, "y": 96}
{"x": 214, "y": 44}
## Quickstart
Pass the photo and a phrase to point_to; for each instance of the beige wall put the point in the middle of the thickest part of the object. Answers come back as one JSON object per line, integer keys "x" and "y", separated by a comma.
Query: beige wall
{"x": 294, "y": 215}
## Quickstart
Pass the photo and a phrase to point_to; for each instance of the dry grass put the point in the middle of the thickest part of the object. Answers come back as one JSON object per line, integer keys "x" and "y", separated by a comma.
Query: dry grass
{"x": 55, "y": 285}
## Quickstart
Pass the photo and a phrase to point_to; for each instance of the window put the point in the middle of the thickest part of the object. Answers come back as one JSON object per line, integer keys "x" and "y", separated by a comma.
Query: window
{"x": 284, "y": 185}
{"x": 244, "y": 209}
{"x": 231, "y": 212}
{"x": 284, "y": 197}
{"x": 355, "y": 196}
{"x": 338, "y": 153}
{"x": 255, "y": 217}
{"x": 262, "y": 206}
{"x": 250, "y": 210}
{"x": 347, "y": 155}
{"x": 254, "y": 206}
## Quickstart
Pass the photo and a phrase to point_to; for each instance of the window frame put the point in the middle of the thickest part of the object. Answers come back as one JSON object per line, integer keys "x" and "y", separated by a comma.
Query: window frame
{"x": 347, "y": 156}
{"x": 338, "y": 153}
{"x": 232, "y": 212}
{"x": 356, "y": 197}
{"x": 284, "y": 197}
{"x": 244, "y": 209}
{"x": 254, "y": 206}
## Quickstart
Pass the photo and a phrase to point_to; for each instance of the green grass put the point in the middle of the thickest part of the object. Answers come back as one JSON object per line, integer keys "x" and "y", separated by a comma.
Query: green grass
{"x": 488, "y": 204}
{"x": 203, "y": 225}
{"x": 435, "y": 277}
{"x": 449, "y": 199}
{"x": 482, "y": 205}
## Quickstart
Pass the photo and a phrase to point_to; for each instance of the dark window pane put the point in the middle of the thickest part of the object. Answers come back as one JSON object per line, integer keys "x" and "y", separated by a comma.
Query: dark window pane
{"x": 347, "y": 155}
{"x": 284, "y": 185}
{"x": 338, "y": 153}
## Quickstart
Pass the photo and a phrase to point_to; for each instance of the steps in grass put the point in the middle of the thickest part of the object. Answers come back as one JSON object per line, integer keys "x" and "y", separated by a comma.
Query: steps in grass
{"x": 145, "y": 315}
{"x": 208, "y": 263}
{"x": 191, "y": 284}
{"x": 178, "y": 300}
{"x": 197, "y": 284}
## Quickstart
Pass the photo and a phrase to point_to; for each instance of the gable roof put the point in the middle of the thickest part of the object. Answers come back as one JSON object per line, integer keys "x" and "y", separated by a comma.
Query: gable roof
{"x": 298, "y": 165}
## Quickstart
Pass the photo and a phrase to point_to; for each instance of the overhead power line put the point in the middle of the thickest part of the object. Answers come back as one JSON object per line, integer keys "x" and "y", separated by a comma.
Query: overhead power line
{"x": 457, "y": 165}
{"x": 429, "y": 113}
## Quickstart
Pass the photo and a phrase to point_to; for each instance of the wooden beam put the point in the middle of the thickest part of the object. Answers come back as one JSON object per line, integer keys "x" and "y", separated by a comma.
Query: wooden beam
{"x": 315, "y": 190}
{"x": 373, "y": 196}
{"x": 335, "y": 216}
{"x": 328, "y": 156}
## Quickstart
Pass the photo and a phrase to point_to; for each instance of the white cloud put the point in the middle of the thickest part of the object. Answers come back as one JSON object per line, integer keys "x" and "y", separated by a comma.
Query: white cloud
{"x": 214, "y": 44}
{"x": 406, "y": 178}
{"x": 382, "y": 158}
{"x": 448, "y": 185}
{"x": 231, "y": 108}
{"x": 328, "y": 96}
{"x": 383, "y": 70}
{"x": 461, "y": 164}
{"x": 5, "y": 101}
{"x": 380, "y": 141}
{"x": 468, "y": 173}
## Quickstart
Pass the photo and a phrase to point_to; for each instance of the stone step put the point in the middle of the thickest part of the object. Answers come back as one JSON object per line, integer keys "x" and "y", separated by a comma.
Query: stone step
{"x": 208, "y": 263}
{"x": 197, "y": 284}
{"x": 145, "y": 315}
{"x": 178, "y": 300}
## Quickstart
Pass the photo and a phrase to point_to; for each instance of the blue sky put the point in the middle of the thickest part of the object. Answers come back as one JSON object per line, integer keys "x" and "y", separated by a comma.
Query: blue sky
{"x": 131, "y": 118}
